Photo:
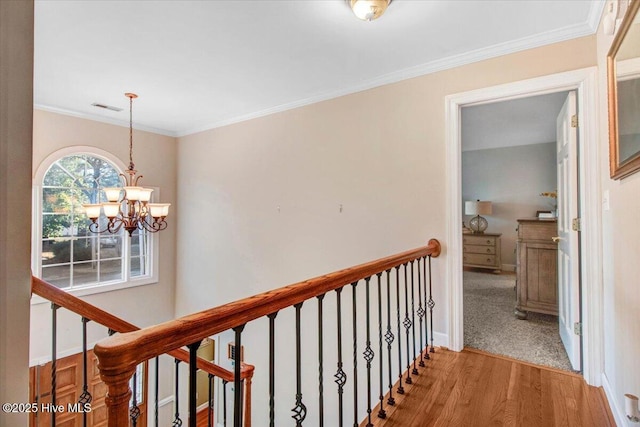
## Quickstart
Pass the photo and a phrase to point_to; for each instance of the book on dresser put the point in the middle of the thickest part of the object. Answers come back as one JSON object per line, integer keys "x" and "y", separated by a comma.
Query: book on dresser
{"x": 481, "y": 250}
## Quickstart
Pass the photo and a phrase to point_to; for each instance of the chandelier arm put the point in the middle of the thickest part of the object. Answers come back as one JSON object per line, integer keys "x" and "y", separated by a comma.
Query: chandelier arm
{"x": 152, "y": 227}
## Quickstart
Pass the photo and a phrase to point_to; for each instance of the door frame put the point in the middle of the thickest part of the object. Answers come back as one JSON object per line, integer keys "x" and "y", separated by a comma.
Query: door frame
{"x": 584, "y": 82}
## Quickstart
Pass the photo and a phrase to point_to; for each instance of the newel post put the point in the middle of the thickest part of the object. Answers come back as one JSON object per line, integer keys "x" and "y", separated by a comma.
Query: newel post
{"x": 116, "y": 372}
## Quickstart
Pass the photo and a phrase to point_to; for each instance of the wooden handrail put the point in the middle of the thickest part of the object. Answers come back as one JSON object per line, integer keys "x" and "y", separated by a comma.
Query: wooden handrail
{"x": 118, "y": 355}
{"x": 95, "y": 314}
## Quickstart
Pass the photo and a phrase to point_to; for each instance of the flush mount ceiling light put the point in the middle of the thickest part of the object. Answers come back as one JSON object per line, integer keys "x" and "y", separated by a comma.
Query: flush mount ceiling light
{"x": 128, "y": 206}
{"x": 368, "y": 10}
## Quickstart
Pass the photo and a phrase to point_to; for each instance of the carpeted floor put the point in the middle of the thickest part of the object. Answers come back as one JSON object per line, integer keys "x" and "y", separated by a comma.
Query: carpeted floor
{"x": 489, "y": 323}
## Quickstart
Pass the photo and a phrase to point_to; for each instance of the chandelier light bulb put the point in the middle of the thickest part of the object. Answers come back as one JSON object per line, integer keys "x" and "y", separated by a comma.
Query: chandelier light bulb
{"x": 368, "y": 10}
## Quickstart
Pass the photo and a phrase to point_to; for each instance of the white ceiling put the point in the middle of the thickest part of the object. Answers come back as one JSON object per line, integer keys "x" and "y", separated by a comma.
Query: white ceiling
{"x": 201, "y": 64}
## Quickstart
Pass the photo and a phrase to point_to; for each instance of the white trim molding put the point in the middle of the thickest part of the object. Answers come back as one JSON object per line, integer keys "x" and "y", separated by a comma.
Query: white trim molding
{"x": 584, "y": 81}
{"x": 617, "y": 412}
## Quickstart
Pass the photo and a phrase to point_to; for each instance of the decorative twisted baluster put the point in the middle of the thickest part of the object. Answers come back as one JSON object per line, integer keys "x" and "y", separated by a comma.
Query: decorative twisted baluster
{"x": 134, "y": 410}
{"x": 421, "y": 313}
{"x": 388, "y": 337}
{"x": 340, "y": 376}
{"x": 368, "y": 352}
{"x": 177, "y": 422}
{"x": 320, "y": 365}
{"x": 381, "y": 412}
{"x": 54, "y": 358}
{"x": 413, "y": 321}
{"x": 431, "y": 304}
{"x": 407, "y": 324}
{"x": 85, "y": 397}
{"x": 300, "y": 410}
{"x": 355, "y": 352}
{"x": 426, "y": 321}
{"x": 272, "y": 376}
{"x": 400, "y": 388}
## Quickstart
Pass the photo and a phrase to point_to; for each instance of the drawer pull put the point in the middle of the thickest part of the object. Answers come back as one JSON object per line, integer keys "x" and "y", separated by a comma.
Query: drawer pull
{"x": 488, "y": 250}
{"x": 488, "y": 242}
{"x": 488, "y": 259}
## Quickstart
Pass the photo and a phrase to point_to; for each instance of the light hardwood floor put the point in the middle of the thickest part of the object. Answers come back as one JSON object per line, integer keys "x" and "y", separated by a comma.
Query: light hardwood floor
{"x": 473, "y": 388}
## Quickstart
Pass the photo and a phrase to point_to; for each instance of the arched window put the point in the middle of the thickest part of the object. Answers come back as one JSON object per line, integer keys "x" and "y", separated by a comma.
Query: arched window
{"x": 70, "y": 256}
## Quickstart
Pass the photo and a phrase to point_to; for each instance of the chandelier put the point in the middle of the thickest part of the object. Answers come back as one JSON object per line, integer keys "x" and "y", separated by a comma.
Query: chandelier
{"x": 128, "y": 206}
{"x": 368, "y": 10}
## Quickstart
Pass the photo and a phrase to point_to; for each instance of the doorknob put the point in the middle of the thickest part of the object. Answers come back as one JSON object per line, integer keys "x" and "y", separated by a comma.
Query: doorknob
{"x": 556, "y": 239}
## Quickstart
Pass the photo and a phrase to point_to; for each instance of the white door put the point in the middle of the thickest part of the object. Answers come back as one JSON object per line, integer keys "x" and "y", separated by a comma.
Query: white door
{"x": 568, "y": 272}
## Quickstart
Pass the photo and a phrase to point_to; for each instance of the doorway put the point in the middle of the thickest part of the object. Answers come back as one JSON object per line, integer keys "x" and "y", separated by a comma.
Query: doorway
{"x": 584, "y": 82}
{"x": 509, "y": 161}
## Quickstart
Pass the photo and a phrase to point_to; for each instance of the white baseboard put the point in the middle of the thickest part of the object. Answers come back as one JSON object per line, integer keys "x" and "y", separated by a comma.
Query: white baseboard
{"x": 618, "y": 415}
{"x": 167, "y": 400}
{"x": 440, "y": 339}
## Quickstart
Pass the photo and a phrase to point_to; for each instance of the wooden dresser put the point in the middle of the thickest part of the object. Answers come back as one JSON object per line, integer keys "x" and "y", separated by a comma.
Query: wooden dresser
{"x": 481, "y": 251}
{"x": 536, "y": 270}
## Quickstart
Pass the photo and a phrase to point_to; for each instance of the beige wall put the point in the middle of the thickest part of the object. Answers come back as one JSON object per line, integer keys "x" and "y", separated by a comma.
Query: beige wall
{"x": 621, "y": 246}
{"x": 270, "y": 189}
{"x": 154, "y": 156}
{"x": 16, "y": 103}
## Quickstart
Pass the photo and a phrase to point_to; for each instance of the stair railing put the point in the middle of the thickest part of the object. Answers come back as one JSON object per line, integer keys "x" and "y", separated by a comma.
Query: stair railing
{"x": 120, "y": 354}
{"x": 88, "y": 312}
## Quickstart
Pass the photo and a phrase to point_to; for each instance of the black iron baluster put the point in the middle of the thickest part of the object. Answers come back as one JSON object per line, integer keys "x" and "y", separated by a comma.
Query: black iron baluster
{"x": 388, "y": 336}
{"x": 54, "y": 358}
{"x": 355, "y": 352}
{"x": 400, "y": 388}
{"x": 431, "y": 304}
{"x": 320, "y": 364}
{"x": 407, "y": 324}
{"x": 413, "y": 321}
{"x": 368, "y": 352}
{"x": 381, "y": 412}
{"x": 85, "y": 398}
{"x": 340, "y": 376}
{"x": 420, "y": 313}
{"x": 224, "y": 404}
{"x": 272, "y": 369}
{"x": 193, "y": 384}
{"x": 134, "y": 411}
{"x": 237, "y": 380}
{"x": 157, "y": 390}
{"x": 426, "y": 321}
{"x": 177, "y": 422}
{"x": 300, "y": 410}
{"x": 210, "y": 406}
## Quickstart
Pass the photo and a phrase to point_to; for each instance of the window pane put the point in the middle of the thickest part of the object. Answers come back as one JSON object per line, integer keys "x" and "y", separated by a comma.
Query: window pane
{"x": 85, "y": 273}
{"x": 111, "y": 246}
{"x": 111, "y": 270}
{"x": 57, "y": 275}
{"x": 138, "y": 266}
{"x": 54, "y": 225}
{"x": 57, "y": 177}
{"x": 56, "y": 200}
{"x": 56, "y": 251}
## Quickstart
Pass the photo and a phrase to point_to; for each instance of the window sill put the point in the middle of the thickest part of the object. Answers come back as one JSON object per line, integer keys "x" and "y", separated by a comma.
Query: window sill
{"x": 100, "y": 288}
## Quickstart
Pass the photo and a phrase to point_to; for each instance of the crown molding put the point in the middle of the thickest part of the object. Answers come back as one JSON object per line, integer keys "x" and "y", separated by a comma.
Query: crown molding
{"x": 102, "y": 119}
{"x": 550, "y": 37}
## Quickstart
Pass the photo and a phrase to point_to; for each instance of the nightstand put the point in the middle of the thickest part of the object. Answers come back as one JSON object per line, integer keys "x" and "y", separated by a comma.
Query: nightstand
{"x": 482, "y": 251}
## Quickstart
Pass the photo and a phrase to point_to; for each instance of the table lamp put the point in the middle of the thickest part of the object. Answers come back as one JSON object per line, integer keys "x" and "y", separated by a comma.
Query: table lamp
{"x": 477, "y": 224}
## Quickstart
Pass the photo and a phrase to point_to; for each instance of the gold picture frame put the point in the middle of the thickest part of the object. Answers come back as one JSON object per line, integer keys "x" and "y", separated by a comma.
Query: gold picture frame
{"x": 624, "y": 69}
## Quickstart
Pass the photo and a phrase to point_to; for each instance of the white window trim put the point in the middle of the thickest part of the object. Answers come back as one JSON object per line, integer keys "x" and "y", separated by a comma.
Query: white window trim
{"x": 36, "y": 229}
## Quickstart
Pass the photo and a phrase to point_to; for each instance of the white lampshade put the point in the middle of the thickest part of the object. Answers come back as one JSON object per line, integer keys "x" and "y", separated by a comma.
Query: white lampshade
{"x": 158, "y": 210}
{"x": 111, "y": 209}
{"x": 132, "y": 193}
{"x": 92, "y": 210}
{"x": 145, "y": 194}
{"x": 477, "y": 207}
{"x": 112, "y": 193}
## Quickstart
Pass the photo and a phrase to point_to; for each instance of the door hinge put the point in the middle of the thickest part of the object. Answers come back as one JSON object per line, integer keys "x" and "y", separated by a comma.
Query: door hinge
{"x": 576, "y": 224}
{"x": 574, "y": 121}
{"x": 577, "y": 328}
